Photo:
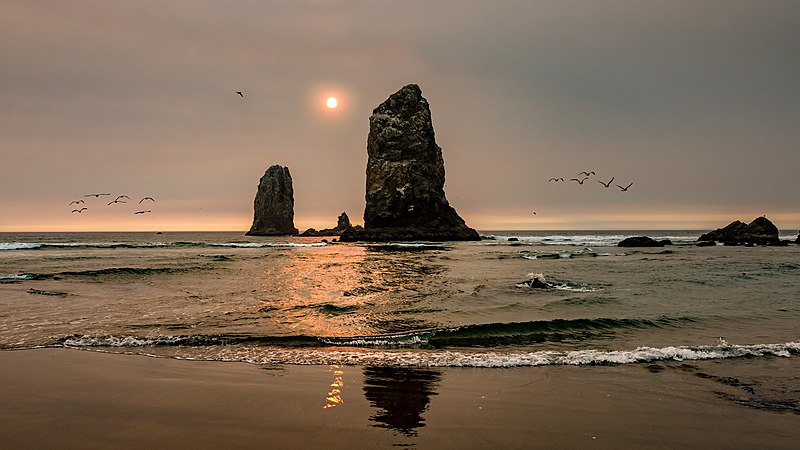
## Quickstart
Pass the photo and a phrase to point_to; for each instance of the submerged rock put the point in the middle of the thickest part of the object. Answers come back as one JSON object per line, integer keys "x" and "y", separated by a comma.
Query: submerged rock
{"x": 758, "y": 232}
{"x": 643, "y": 241}
{"x": 343, "y": 223}
{"x": 405, "y": 176}
{"x": 273, "y": 206}
{"x": 706, "y": 244}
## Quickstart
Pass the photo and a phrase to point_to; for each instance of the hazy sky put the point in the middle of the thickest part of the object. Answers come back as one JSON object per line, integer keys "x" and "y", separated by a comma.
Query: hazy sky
{"x": 696, "y": 102}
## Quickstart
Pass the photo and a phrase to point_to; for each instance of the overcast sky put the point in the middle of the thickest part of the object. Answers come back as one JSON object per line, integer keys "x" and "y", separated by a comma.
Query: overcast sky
{"x": 696, "y": 102}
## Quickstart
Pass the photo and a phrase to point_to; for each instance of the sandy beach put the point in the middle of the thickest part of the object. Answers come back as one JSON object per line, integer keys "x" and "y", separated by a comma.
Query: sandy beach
{"x": 61, "y": 398}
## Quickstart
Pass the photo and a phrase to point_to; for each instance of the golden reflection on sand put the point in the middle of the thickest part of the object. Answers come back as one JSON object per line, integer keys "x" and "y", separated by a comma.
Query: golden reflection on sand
{"x": 334, "y": 397}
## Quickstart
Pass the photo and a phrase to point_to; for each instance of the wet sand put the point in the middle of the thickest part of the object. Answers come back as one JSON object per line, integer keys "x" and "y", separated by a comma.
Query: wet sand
{"x": 60, "y": 398}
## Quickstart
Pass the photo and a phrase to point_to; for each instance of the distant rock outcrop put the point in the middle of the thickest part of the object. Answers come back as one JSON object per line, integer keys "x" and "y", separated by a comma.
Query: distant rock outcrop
{"x": 343, "y": 223}
{"x": 274, "y": 204}
{"x": 405, "y": 176}
{"x": 643, "y": 241}
{"x": 759, "y": 232}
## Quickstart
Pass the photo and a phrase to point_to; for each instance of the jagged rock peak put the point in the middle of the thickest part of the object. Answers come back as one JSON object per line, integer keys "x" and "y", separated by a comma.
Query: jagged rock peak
{"x": 405, "y": 197}
{"x": 273, "y": 207}
{"x": 760, "y": 231}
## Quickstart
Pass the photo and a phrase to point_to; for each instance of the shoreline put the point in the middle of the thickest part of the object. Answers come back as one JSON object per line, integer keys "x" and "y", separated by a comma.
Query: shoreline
{"x": 70, "y": 398}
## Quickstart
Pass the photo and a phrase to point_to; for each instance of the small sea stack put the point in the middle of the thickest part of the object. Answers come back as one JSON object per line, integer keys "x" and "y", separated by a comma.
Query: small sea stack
{"x": 273, "y": 206}
{"x": 342, "y": 224}
{"x": 405, "y": 177}
{"x": 758, "y": 232}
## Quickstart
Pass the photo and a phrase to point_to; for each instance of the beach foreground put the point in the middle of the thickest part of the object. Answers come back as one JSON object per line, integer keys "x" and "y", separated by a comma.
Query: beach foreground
{"x": 62, "y": 398}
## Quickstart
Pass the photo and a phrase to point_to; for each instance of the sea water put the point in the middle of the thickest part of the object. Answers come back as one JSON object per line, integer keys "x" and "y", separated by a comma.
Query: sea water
{"x": 227, "y": 297}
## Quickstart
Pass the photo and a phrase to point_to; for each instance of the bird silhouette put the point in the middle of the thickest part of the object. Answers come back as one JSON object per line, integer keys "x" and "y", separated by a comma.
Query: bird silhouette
{"x": 76, "y": 202}
{"x": 240, "y": 94}
{"x": 606, "y": 184}
{"x": 555, "y": 179}
{"x": 624, "y": 189}
{"x": 147, "y": 198}
{"x": 587, "y": 173}
{"x": 142, "y": 212}
{"x": 579, "y": 181}
{"x": 79, "y": 210}
{"x": 95, "y": 195}
{"x": 115, "y": 201}
{"x": 122, "y": 196}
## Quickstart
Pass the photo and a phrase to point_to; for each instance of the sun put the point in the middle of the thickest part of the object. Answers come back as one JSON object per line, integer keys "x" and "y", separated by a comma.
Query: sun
{"x": 331, "y": 102}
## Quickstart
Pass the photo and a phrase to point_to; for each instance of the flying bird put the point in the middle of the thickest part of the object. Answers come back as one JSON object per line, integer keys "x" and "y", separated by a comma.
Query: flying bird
{"x": 623, "y": 189}
{"x": 147, "y": 198}
{"x": 587, "y": 173}
{"x": 142, "y": 212}
{"x": 555, "y": 179}
{"x": 240, "y": 94}
{"x": 579, "y": 181}
{"x": 79, "y": 210}
{"x": 76, "y": 202}
{"x": 122, "y": 196}
{"x": 606, "y": 184}
{"x": 115, "y": 201}
{"x": 95, "y": 195}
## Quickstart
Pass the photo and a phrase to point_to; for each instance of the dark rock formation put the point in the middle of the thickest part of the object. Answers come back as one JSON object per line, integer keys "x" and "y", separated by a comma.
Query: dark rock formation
{"x": 706, "y": 244}
{"x": 643, "y": 241}
{"x": 758, "y": 232}
{"x": 274, "y": 204}
{"x": 405, "y": 176}
{"x": 343, "y": 223}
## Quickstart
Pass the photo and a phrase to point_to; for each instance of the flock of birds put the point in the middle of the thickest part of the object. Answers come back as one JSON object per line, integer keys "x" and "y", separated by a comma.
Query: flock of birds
{"x": 119, "y": 199}
{"x": 585, "y": 175}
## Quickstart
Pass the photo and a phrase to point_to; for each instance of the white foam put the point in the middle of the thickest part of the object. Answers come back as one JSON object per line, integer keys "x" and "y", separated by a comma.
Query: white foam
{"x": 446, "y": 358}
{"x": 24, "y": 276}
{"x": 265, "y": 245}
{"x": 18, "y": 245}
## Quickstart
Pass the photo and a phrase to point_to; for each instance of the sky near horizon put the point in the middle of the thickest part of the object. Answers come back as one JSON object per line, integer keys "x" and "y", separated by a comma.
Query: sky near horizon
{"x": 695, "y": 102}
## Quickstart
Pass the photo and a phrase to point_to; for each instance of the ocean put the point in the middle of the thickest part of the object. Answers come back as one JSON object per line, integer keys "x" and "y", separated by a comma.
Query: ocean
{"x": 226, "y": 297}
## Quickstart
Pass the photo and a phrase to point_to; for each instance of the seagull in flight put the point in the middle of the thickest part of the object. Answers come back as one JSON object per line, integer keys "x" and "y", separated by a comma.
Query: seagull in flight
{"x": 122, "y": 196}
{"x": 95, "y": 195}
{"x": 147, "y": 198}
{"x": 579, "y": 181}
{"x": 240, "y": 94}
{"x": 555, "y": 179}
{"x": 79, "y": 210}
{"x": 76, "y": 202}
{"x": 606, "y": 184}
{"x": 142, "y": 212}
{"x": 115, "y": 201}
{"x": 624, "y": 189}
{"x": 587, "y": 173}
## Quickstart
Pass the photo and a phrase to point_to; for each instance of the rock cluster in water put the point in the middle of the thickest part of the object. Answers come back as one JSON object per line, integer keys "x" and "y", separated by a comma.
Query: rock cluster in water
{"x": 274, "y": 204}
{"x": 405, "y": 176}
{"x": 342, "y": 224}
{"x": 643, "y": 241}
{"x": 758, "y": 232}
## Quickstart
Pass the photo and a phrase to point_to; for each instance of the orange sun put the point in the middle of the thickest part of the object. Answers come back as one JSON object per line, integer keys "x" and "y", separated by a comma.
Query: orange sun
{"x": 331, "y": 102}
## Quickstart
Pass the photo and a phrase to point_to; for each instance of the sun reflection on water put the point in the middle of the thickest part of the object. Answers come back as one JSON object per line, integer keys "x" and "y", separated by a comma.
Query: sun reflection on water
{"x": 345, "y": 290}
{"x": 334, "y": 396}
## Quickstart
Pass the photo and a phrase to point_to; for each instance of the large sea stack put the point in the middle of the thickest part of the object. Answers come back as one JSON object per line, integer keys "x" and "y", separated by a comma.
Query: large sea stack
{"x": 405, "y": 177}
{"x": 274, "y": 204}
{"x": 758, "y": 232}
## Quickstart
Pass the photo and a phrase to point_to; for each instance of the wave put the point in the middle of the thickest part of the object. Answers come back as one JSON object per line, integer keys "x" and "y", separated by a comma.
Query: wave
{"x": 116, "y": 245}
{"x": 468, "y": 336}
{"x": 313, "y": 355}
{"x": 21, "y": 277}
{"x": 584, "y": 240}
{"x": 135, "y": 271}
